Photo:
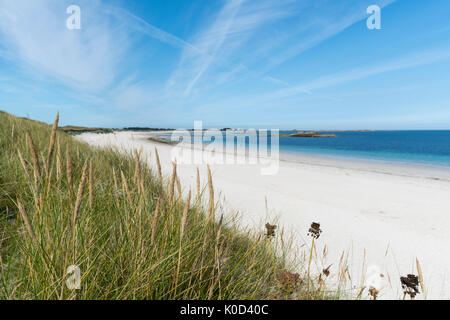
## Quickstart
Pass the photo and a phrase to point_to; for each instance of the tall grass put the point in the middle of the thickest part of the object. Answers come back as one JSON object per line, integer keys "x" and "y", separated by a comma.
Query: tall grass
{"x": 127, "y": 228}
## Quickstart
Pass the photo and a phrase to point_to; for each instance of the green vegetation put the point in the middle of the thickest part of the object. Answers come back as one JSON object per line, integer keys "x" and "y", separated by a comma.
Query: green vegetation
{"x": 73, "y": 130}
{"x": 128, "y": 229}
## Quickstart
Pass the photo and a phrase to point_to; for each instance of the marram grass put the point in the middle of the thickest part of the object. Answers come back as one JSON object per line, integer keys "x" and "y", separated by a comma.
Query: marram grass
{"x": 127, "y": 228}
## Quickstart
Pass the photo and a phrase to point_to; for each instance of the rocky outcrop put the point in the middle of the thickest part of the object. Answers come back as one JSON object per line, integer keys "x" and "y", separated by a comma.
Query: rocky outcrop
{"x": 308, "y": 134}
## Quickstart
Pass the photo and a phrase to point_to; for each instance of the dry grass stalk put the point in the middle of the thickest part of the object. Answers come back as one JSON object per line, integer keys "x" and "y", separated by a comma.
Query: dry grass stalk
{"x": 49, "y": 179}
{"x": 182, "y": 228}
{"x": 419, "y": 271}
{"x": 155, "y": 222}
{"x": 51, "y": 147}
{"x": 69, "y": 170}
{"x": 358, "y": 297}
{"x": 34, "y": 158}
{"x": 91, "y": 184}
{"x": 80, "y": 194}
{"x": 185, "y": 213}
{"x": 211, "y": 195}
{"x": 116, "y": 187}
{"x": 44, "y": 163}
{"x": 138, "y": 173}
{"x": 26, "y": 220}
{"x": 267, "y": 206}
{"x": 179, "y": 187}
{"x": 126, "y": 189}
{"x": 27, "y": 175}
{"x": 214, "y": 285}
{"x": 41, "y": 203}
{"x": 24, "y": 166}
{"x": 172, "y": 181}
{"x": 158, "y": 164}
{"x": 309, "y": 268}
{"x": 58, "y": 160}
{"x": 198, "y": 183}
{"x": 136, "y": 166}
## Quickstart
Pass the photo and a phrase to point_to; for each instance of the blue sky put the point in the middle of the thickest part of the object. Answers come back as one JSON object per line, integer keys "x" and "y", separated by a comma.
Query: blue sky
{"x": 305, "y": 64}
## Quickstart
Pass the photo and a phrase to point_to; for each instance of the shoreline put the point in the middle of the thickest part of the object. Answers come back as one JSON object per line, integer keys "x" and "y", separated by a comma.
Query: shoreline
{"x": 380, "y": 219}
{"x": 407, "y": 169}
{"x": 390, "y": 167}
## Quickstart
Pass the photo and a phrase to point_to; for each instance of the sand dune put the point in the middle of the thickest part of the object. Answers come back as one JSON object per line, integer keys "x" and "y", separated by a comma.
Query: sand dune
{"x": 385, "y": 216}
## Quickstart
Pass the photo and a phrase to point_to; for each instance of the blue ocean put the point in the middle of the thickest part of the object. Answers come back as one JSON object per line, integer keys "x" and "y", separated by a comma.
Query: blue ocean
{"x": 413, "y": 147}
{"x": 418, "y": 147}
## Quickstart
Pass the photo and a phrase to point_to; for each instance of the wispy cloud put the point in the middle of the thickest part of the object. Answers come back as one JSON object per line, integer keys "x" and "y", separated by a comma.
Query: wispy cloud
{"x": 222, "y": 38}
{"x": 409, "y": 61}
{"x": 35, "y": 33}
{"x": 246, "y": 32}
{"x": 140, "y": 25}
{"x": 90, "y": 61}
{"x": 209, "y": 43}
{"x": 315, "y": 24}
{"x": 219, "y": 55}
{"x": 314, "y": 89}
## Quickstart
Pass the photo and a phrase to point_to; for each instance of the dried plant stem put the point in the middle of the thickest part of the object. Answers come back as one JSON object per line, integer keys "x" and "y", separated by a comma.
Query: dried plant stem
{"x": 116, "y": 188}
{"x": 158, "y": 165}
{"x": 27, "y": 175}
{"x": 198, "y": 184}
{"x": 419, "y": 272}
{"x": 51, "y": 147}
{"x": 69, "y": 170}
{"x": 49, "y": 179}
{"x": 80, "y": 195}
{"x": 267, "y": 206}
{"x": 24, "y": 166}
{"x": 184, "y": 218}
{"x": 182, "y": 228}
{"x": 34, "y": 158}
{"x": 155, "y": 222}
{"x": 58, "y": 160}
{"x": 172, "y": 181}
{"x": 91, "y": 184}
{"x": 138, "y": 173}
{"x": 44, "y": 163}
{"x": 309, "y": 265}
{"x": 26, "y": 220}
{"x": 211, "y": 195}
{"x": 179, "y": 187}
{"x": 126, "y": 189}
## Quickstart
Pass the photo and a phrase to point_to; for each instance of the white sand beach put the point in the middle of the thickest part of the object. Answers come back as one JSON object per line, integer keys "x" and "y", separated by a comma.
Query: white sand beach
{"x": 384, "y": 215}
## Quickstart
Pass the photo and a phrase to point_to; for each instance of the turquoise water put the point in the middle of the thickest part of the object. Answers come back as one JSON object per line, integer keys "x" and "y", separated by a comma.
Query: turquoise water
{"x": 419, "y": 147}
{"x": 416, "y": 147}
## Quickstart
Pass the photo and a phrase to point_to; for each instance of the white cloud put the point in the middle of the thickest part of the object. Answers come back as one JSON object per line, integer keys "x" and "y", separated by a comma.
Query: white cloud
{"x": 409, "y": 61}
{"x": 222, "y": 38}
{"x": 255, "y": 37}
{"x": 138, "y": 24}
{"x": 316, "y": 22}
{"x": 35, "y": 33}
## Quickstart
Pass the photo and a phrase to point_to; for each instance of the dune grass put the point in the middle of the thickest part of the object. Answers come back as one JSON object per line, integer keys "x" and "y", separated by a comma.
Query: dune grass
{"x": 128, "y": 229}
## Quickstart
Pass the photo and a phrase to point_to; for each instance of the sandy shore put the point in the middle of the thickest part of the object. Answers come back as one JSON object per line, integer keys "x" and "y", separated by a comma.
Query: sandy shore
{"x": 383, "y": 216}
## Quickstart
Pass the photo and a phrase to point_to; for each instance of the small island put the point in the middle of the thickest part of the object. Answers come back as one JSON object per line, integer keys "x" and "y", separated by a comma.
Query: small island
{"x": 308, "y": 134}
